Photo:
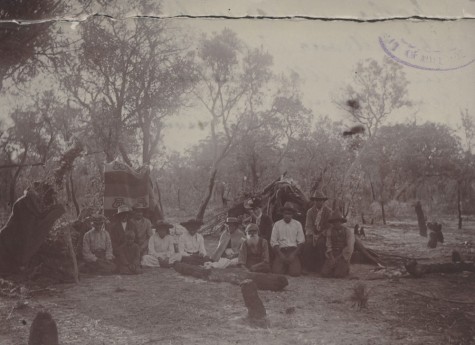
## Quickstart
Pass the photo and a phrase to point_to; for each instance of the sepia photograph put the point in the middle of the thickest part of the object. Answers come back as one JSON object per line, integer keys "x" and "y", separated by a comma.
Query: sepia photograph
{"x": 237, "y": 172}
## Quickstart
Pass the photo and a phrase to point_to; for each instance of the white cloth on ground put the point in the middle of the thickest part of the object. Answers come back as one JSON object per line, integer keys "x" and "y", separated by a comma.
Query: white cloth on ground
{"x": 222, "y": 263}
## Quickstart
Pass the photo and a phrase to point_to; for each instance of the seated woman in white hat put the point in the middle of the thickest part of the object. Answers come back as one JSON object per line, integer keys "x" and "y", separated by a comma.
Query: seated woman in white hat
{"x": 161, "y": 250}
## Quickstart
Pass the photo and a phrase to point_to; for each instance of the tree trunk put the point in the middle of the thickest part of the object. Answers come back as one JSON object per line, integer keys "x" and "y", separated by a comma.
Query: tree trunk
{"x": 124, "y": 155}
{"x": 363, "y": 220}
{"x": 373, "y": 194}
{"x": 383, "y": 213}
{"x": 15, "y": 177}
{"x": 73, "y": 194}
{"x": 459, "y": 204}
{"x": 178, "y": 199}
{"x": 254, "y": 305}
{"x": 69, "y": 244}
{"x": 421, "y": 219}
{"x": 204, "y": 203}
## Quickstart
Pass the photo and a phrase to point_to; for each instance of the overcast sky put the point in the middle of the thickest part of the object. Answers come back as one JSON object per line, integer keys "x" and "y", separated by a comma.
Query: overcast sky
{"x": 325, "y": 54}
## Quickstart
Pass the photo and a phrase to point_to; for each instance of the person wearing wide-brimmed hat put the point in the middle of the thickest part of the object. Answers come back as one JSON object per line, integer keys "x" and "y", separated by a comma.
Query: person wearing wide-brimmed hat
{"x": 340, "y": 242}
{"x": 97, "y": 248}
{"x": 287, "y": 241}
{"x": 316, "y": 225}
{"x": 191, "y": 244}
{"x": 254, "y": 252}
{"x": 120, "y": 225}
{"x": 143, "y": 227}
{"x": 161, "y": 249}
{"x": 229, "y": 241}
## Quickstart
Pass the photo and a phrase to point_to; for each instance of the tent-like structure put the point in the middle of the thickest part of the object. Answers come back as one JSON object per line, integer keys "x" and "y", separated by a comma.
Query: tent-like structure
{"x": 125, "y": 185}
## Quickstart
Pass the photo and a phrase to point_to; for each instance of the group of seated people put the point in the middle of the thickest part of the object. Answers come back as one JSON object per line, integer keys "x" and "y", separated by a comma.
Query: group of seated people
{"x": 253, "y": 242}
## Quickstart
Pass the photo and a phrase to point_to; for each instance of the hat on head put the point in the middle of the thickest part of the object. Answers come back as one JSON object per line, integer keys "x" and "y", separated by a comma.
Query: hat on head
{"x": 161, "y": 224}
{"x": 232, "y": 220}
{"x": 318, "y": 195}
{"x": 192, "y": 224}
{"x": 252, "y": 203}
{"x": 252, "y": 227}
{"x": 123, "y": 209}
{"x": 98, "y": 218}
{"x": 289, "y": 207}
{"x": 139, "y": 207}
{"x": 336, "y": 217}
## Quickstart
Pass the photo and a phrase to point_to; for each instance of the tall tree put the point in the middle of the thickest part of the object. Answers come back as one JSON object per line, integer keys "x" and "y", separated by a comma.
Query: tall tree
{"x": 378, "y": 89}
{"x": 127, "y": 77}
{"x": 27, "y": 48}
{"x": 231, "y": 77}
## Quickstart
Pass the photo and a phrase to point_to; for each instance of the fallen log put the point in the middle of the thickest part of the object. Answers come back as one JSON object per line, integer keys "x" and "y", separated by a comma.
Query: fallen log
{"x": 191, "y": 270}
{"x": 263, "y": 281}
{"x": 418, "y": 270}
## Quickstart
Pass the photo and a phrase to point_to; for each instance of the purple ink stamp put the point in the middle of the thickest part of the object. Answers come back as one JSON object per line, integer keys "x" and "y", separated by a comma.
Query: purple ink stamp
{"x": 410, "y": 55}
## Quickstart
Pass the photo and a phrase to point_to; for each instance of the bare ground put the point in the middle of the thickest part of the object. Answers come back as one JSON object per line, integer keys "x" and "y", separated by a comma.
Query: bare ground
{"x": 163, "y": 307}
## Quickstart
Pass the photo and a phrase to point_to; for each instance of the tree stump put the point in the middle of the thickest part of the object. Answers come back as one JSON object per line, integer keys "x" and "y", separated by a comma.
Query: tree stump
{"x": 43, "y": 330}
{"x": 256, "y": 312}
{"x": 421, "y": 219}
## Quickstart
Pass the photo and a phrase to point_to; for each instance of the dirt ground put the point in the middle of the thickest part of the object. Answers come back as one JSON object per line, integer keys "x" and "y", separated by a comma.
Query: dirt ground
{"x": 163, "y": 307}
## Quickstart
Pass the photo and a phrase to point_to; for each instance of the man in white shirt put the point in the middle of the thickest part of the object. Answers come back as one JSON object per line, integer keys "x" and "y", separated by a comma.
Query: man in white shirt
{"x": 161, "y": 249}
{"x": 191, "y": 245}
{"x": 287, "y": 242}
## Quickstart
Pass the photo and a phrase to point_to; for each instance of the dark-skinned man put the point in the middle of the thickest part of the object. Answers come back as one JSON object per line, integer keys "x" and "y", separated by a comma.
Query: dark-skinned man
{"x": 316, "y": 225}
{"x": 287, "y": 242}
{"x": 120, "y": 225}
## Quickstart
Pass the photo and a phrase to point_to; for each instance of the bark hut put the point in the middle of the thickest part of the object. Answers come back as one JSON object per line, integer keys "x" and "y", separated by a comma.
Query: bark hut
{"x": 421, "y": 220}
{"x": 256, "y": 312}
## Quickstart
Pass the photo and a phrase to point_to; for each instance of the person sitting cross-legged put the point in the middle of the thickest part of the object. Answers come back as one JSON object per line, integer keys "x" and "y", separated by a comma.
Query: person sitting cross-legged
{"x": 287, "y": 241}
{"x": 254, "y": 252}
{"x": 97, "y": 248}
{"x": 191, "y": 245}
{"x": 227, "y": 252}
{"x": 128, "y": 259}
{"x": 230, "y": 241}
{"x": 161, "y": 250}
{"x": 340, "y": 244}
